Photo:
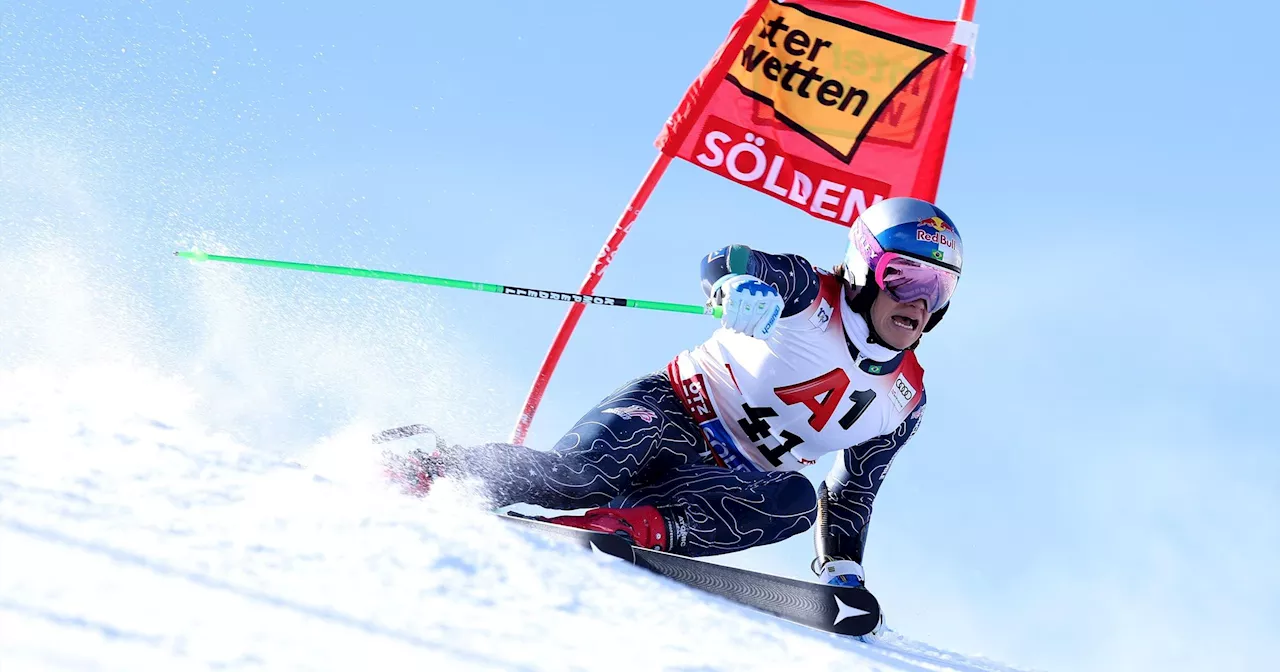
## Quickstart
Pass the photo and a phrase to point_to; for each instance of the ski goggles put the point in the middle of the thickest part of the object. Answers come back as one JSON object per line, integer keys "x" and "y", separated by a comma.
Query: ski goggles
{"x": 906, "y": 280}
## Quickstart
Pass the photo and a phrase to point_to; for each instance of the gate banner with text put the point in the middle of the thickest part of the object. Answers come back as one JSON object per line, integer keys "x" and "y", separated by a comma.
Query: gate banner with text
{"x": 828, "y": 105}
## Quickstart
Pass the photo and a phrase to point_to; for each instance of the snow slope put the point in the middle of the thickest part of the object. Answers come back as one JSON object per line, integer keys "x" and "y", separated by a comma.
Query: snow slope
{"x": 133, "y": 536}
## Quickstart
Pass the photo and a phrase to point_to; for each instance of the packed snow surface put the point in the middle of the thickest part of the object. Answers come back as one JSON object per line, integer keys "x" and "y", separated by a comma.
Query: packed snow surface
{"x": 133, "y": 536}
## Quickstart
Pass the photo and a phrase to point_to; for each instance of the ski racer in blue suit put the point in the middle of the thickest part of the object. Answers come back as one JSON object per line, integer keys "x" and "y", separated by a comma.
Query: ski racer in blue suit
{"x": 703, "y": 457}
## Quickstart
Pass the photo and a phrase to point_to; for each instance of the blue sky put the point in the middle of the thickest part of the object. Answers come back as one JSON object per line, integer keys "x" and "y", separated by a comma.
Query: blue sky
{"x": 1095, "y": 483}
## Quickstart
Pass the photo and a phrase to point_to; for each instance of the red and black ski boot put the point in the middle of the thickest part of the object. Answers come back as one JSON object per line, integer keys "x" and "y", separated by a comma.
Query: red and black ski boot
{"x": 643, "y": 526}
{"x": 414, "y": 471}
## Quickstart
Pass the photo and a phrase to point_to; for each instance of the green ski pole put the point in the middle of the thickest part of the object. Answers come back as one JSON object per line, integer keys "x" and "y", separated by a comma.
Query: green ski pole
{"x": 589, "y": 299}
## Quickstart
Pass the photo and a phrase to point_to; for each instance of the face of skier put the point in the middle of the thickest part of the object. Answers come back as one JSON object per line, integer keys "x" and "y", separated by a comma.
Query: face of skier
{"x": 899, "y": 324}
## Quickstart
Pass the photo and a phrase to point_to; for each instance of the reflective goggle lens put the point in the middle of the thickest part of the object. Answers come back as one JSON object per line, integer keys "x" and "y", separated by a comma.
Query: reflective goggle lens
{"x": 906, "y": 280}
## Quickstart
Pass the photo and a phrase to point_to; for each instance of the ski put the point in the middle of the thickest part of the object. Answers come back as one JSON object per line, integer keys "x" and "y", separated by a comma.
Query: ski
{"x": 838, "y": 609}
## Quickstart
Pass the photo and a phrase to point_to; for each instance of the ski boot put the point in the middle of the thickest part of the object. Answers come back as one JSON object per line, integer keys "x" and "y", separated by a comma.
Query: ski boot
{"x": 643, "y": 526}
{"x": 414, "y": 470}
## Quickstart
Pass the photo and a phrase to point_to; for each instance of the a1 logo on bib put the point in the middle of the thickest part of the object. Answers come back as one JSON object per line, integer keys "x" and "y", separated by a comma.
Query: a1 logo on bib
{"x": 902, "y": 392}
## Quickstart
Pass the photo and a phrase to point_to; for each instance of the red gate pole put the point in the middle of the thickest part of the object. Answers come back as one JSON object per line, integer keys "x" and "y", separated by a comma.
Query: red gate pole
{"x": 674, "y": 133}
{"x": 588, "y": 287}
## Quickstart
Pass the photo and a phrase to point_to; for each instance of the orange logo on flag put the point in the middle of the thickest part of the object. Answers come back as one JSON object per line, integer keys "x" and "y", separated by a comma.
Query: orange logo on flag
{"x": 827, "y": 78}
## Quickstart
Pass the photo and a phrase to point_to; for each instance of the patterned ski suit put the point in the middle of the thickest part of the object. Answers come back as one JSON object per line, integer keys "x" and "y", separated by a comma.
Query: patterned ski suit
{"x": 716, "y": 440}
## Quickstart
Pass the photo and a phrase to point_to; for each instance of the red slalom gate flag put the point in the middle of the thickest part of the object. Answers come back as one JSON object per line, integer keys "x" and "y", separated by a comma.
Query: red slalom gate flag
{"x": 827, "y": 105}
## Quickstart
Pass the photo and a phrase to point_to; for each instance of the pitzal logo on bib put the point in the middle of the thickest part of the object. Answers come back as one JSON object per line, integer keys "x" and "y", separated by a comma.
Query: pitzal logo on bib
{"x": 827, "y": 78}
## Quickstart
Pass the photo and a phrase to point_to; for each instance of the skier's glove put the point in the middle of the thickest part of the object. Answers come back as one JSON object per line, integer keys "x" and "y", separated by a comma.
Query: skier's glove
{"x": 751, "y": 307}
{"x": 841, "y": 573}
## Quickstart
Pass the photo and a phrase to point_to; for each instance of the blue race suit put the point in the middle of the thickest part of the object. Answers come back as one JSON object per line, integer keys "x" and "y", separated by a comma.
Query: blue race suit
{"x": 642, "y": 446}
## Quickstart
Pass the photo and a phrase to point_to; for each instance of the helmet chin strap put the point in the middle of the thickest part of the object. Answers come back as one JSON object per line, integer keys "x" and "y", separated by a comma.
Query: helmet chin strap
{"x": 935, "y": 318}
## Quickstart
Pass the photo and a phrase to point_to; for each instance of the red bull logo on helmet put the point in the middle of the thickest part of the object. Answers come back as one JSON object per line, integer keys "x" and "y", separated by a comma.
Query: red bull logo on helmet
{"x": 937, "y": 237}
{"x": 938, "y": 224}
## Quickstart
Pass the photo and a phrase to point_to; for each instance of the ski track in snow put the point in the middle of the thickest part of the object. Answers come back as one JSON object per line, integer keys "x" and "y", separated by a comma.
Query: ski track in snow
{"x": 132, "y": 537}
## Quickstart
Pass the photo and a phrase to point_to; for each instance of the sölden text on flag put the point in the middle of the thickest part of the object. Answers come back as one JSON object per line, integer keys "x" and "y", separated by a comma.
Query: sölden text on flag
{"x": 828, "y": 105}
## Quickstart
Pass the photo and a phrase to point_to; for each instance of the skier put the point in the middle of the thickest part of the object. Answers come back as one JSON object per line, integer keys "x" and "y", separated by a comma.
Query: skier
{"x": 703, "y": 457}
